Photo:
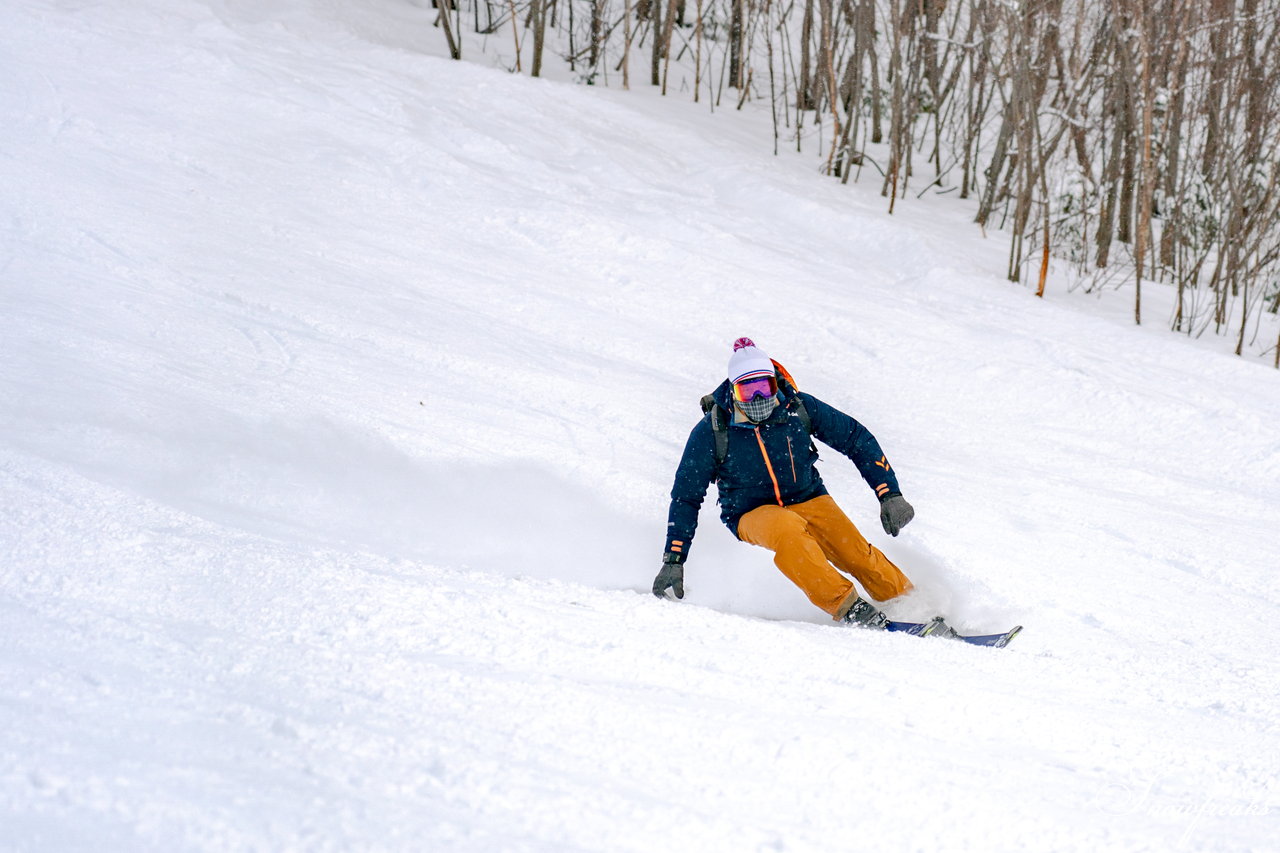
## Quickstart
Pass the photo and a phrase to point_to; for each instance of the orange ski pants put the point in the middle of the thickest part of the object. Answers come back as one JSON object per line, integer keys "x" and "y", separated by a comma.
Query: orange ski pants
{"x": 807, "y": 538}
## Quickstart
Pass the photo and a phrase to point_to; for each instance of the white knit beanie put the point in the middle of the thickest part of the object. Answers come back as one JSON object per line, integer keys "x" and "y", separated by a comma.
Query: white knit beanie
{"x": 748, "y": 360}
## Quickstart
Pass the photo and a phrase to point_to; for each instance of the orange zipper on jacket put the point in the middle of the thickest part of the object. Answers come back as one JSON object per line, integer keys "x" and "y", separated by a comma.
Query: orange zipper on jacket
{"x": 791, "y": 454}
{"x": 777, "y": 492}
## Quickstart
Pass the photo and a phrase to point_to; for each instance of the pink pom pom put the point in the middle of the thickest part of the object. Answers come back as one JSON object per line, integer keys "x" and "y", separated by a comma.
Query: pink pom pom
{"x": 743, "y": 342}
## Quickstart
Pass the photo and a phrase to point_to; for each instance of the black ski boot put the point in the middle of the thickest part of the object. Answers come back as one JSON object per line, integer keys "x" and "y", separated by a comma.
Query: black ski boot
{"x": 863, "y": 615}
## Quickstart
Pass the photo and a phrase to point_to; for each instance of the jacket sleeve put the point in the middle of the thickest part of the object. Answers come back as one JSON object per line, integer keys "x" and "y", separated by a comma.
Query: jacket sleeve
{"x": 833, "y": 427}
{"x": 696, "y": 470}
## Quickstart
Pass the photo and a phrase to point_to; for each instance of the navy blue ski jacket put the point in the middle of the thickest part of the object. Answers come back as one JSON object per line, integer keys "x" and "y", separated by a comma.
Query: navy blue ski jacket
{"x": 773, "y": 462}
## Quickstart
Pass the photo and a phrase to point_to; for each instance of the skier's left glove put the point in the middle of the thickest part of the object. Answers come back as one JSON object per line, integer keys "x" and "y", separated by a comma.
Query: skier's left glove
{"x": 671, "y": 577}
{"x": 895, "y": 513}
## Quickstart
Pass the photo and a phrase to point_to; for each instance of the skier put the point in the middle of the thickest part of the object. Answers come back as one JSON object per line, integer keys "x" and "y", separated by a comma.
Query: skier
{"x": 755, "y": 443}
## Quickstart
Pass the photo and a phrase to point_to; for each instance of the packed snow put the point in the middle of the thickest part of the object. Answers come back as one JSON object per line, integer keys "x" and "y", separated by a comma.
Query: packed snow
{"x": 343, "y": 390}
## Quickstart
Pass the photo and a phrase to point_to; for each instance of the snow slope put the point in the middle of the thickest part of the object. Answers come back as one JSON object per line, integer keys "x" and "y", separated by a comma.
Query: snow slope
{"x": 343, "y": 386}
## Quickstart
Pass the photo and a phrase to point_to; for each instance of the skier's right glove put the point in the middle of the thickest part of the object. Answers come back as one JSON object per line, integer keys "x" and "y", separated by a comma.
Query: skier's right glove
{"x": 671, "y": 577}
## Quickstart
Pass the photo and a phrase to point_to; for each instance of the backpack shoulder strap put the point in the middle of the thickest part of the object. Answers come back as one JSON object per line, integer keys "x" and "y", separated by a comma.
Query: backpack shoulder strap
{"x": 789, "y": 384}
{"x": 719, "y": 429}
{"x": 803, "y": 414}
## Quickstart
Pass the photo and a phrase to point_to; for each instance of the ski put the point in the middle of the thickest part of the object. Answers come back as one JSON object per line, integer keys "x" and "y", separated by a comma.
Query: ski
{"x": 998, "y": 641}
{"x": 937, "y": 627}
{"x": 916, "y": 629}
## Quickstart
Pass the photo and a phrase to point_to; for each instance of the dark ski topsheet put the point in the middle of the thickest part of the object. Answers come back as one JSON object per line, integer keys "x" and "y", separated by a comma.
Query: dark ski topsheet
{"x": 937, "y": 627}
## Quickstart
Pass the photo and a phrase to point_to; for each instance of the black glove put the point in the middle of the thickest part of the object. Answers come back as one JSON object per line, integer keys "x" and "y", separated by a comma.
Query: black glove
{"x": 671, "y": 577}
{"x": 895, "y": 512}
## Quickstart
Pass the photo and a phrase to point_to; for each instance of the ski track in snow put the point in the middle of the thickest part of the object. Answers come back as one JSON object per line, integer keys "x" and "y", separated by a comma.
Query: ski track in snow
{"x": 340, "y": 418}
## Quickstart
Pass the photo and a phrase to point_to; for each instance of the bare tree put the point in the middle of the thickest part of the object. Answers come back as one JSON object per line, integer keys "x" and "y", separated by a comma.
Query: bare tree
{"x": 1137, "y": 139}
{"x": 442, "y": 21}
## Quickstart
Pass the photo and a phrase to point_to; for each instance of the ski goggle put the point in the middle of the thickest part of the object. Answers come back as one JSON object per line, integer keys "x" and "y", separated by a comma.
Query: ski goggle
{"x": 746, "y": 390}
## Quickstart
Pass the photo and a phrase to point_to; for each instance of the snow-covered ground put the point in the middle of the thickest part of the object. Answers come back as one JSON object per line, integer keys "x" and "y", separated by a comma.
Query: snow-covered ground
{"x": 343, "y": 386}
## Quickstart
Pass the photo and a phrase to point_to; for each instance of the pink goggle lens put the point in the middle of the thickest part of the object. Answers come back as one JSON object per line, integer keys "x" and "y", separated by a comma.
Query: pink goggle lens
{"x": 746, "y": 390}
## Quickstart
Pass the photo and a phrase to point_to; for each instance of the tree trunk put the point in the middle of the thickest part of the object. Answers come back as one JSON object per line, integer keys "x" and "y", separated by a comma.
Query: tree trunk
{"x": 737, "y": 26}
{"x": 666, "y": 43}
{"x": 455, "y": 48}
{"x": 539, "y": 15}
{"x": 655, "y": 55}
{"x": 597, "y": 32}
{"x": 804, "y": 89}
